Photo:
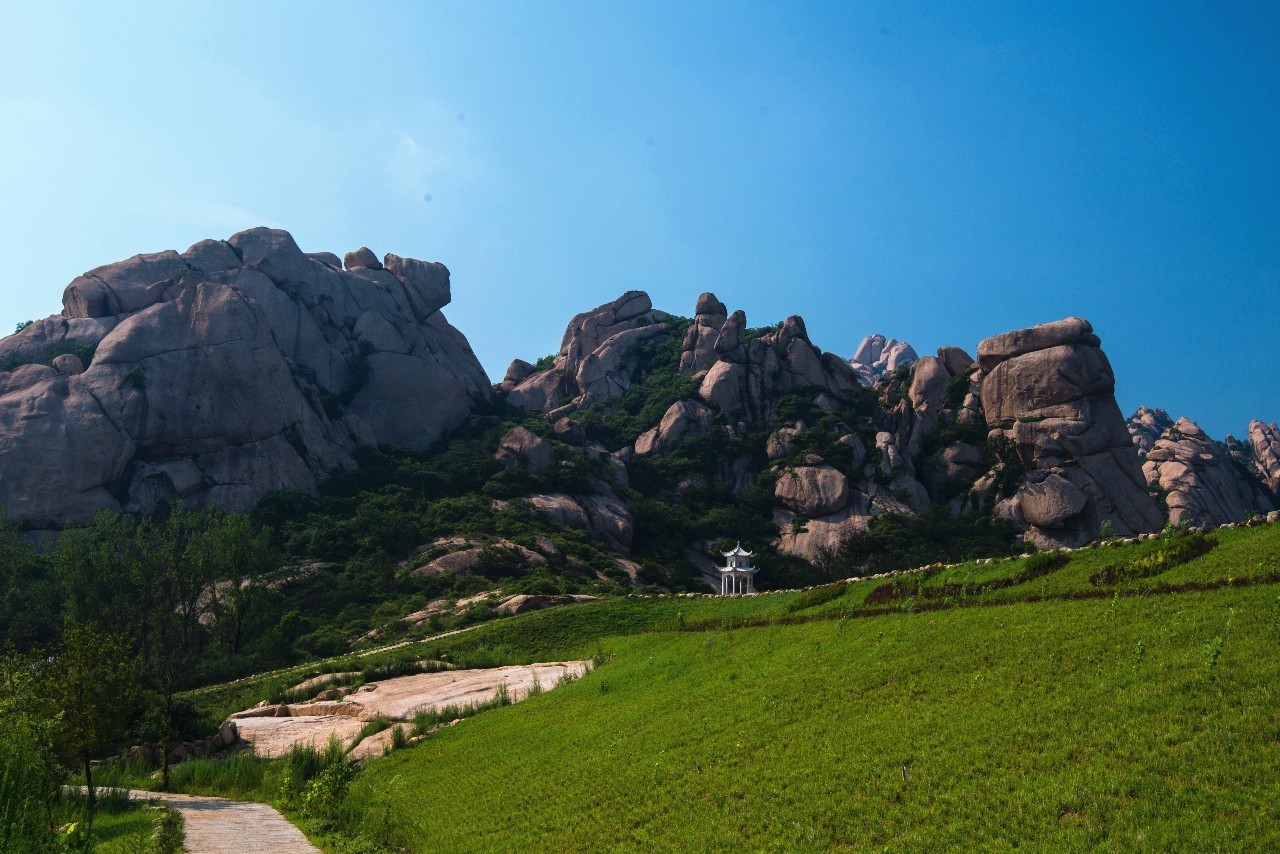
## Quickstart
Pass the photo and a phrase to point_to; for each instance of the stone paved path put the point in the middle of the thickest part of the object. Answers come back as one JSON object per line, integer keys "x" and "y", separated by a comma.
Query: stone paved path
{"x": 218, "y": 826}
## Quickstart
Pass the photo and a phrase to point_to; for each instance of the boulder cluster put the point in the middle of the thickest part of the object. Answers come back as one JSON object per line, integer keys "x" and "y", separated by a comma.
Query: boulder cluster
{"x": 1198, "y": 480}
{"x": 877, "y": 356}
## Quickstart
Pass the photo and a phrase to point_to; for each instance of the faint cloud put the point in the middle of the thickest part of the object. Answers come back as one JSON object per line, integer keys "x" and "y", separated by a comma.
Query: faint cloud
{"x": 436, "y": 156}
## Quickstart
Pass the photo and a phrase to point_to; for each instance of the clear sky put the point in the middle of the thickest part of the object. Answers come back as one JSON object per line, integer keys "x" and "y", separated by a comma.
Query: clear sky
{"x": 938, "y": 172}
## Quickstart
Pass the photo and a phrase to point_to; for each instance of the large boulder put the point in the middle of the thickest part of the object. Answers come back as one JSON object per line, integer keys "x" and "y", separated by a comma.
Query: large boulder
{"x": 683, "y": 418}
{"x": 1200, "y": 482}
{"x": 812, "y": 490}
{"x": 599, "y": 354}
{"x": 1050, "y": 393}
{"x": 809, "y": 538}
{"x": 521, "y": 447}
{"x": 219, "y": 374}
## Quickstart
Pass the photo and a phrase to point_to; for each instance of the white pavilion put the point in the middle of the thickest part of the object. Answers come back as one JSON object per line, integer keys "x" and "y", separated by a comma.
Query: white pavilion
{"x": 738, "y": 576}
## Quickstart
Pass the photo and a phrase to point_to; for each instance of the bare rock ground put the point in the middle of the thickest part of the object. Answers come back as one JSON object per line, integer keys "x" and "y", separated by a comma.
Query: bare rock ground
{"x": 273, "y": 730}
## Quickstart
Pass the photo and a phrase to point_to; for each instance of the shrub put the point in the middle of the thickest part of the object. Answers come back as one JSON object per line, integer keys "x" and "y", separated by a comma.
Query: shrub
{"x": 326, "y": 791}
{"x": 1177, "y": 549}
{"x": 818, "y": 596}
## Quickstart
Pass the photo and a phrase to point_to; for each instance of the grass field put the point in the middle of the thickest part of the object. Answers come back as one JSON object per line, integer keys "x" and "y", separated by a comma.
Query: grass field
{"x": 1061, "y": 712}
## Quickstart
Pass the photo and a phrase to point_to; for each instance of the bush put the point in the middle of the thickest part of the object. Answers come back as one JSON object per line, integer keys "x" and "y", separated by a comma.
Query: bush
{"x": 326, "y": 791}
{"x": 818, "y": 596}
{"x": 28, "y": 786}
{"x": 1178, "y": 549}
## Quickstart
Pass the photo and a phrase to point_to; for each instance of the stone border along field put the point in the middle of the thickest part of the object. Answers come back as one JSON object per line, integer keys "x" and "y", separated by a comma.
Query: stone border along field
{"x": 273, "y": 730}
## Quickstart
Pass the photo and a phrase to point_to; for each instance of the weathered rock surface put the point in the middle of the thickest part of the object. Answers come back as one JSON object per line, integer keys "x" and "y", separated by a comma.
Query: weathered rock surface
{"x": 682, "y": 418}
{"x": 1200, "y": 481}
{"x": 464, "y": 556}
{"x": 521, "y": 447}
{"x": 812, "y": 490}
{"x": 1050, "y": 391}
{"x": 1265, "y": 440}
{"x": 223, "y": 373}
{"x": 877, "y": 356}
{"x": 522, "y": 603}
{"x": 746, "y": 381}
{"x": 605, "y": 516}
{"x": 809, "y": 537}
{"x": 699, "y": 349}
{"x": 1146, "y": 425}
{"x": 599, "y": 354}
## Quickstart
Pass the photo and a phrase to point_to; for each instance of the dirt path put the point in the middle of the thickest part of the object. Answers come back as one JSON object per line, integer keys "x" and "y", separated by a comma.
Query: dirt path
{"x": 217, "y": 826}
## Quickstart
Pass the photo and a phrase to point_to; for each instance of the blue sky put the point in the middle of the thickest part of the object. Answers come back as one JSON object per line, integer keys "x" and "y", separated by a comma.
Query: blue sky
{"x": 938, "y": 172}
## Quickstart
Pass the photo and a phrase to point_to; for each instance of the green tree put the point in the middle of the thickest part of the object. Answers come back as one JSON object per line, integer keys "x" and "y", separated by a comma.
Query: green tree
{"x": 91, "y": 683}
{"x": 29, "y": 776}
{"x": 242, "y": 553}
{"x": 30, "y": 598}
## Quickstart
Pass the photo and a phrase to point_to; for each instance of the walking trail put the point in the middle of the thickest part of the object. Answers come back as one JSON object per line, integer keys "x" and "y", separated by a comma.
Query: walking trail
{"x": 216, "y": 825}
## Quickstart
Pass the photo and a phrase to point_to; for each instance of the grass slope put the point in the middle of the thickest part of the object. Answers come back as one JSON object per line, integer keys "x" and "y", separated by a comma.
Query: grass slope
{"x": 958, "y": 707}
{"x": 1126, "y": 721}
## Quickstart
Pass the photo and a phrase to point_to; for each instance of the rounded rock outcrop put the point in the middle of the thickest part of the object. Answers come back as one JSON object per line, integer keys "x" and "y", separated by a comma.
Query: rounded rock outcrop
{"x": 220, "y": 374}
{"x": 812, "y": 490}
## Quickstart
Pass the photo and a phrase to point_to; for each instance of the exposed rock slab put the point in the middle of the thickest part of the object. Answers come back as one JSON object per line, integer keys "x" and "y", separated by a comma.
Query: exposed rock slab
{"x": 683, "y": 418}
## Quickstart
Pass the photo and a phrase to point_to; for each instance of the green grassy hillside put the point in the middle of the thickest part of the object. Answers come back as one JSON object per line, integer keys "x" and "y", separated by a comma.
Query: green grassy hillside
{"x": 1121, "y": 697}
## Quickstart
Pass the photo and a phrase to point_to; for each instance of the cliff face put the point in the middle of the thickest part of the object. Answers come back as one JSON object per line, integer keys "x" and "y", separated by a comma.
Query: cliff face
{"x": 1050, "y": 391}
{"x": 219, "y": 374}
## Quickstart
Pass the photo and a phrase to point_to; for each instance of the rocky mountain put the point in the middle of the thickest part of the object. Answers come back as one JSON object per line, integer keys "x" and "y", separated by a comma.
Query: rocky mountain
{"x": 223, "y": 373}
{"x": 242, "y": 367}
{"x": 1264, "y": 453}
{"x": 1146, "y": 425}
{"x": 1197, "y": 479}
{"x": 877, "y": 356}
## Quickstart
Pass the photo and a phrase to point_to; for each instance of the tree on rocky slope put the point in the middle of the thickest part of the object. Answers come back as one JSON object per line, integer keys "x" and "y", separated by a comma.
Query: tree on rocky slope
{"x": 91, "y": 683}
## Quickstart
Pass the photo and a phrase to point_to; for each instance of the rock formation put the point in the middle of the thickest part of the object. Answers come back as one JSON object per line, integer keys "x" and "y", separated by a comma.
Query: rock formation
{"x": 219, "y": 374}
{"x": 699, "y": 349}
{"x": 682, "y": 418}
{"x": 1265, "y": 442}
{"x": 598, "y": 357}
{"x": 1146, "y": 425}
{"x": 1049, "y": 391}
{"x": 749, "y": 375}
{"x": 1199, "y": 481}
{"x": 521, "y": 447}
{"x": 877, "y": 356}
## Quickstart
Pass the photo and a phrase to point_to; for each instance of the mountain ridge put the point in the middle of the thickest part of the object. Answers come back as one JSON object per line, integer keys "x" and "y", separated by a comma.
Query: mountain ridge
{"x": 243, "y": 367}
